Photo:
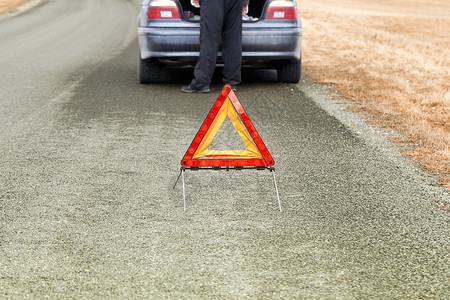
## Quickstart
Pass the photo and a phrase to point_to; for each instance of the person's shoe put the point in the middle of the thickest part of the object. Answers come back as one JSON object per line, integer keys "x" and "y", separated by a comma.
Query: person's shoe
{"x": 189, "y": 89}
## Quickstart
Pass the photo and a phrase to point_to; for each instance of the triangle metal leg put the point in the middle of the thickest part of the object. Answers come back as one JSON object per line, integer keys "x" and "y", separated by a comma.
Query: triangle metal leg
{"x": 179, "y": 175}
{"x": 182, "y": 180}
{"x": 276, "y": 188}
{"x": 184, "y": 194}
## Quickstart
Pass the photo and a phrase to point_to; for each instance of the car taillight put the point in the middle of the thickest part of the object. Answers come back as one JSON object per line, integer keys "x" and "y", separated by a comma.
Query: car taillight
{"x": 163, "y": 9}
{"x": 281, "y": 9}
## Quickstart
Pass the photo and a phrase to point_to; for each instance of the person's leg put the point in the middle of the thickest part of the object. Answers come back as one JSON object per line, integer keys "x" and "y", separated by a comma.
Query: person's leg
{"x": 211, "y": 19}
{"x": 232, "y": 42}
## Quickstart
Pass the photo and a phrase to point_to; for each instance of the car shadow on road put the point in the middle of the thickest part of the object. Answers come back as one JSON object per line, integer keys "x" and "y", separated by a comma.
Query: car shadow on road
{"x": 112, "y": 91}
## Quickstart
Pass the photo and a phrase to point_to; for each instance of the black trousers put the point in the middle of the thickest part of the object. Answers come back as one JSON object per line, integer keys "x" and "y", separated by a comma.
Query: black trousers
{"x": 220, "y": 23}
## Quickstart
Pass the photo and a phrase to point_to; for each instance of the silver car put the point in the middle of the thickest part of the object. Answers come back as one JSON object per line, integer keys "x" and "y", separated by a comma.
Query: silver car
{"x": 169, "y": 33}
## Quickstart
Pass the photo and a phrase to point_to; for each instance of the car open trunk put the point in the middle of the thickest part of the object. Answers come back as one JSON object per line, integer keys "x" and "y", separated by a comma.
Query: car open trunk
{"x": 255, "y": 11}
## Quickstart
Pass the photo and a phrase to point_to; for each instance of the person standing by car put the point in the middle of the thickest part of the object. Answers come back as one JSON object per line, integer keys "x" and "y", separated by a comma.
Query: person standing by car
{"x": 220, "y": 21}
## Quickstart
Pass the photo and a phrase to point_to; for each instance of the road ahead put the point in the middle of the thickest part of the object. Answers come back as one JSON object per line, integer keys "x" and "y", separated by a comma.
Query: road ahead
{"x": 88, "y": 158}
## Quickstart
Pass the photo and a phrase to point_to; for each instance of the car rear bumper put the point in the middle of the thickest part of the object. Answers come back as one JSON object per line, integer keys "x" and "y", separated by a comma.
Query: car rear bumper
{"x": 182, "y": 44}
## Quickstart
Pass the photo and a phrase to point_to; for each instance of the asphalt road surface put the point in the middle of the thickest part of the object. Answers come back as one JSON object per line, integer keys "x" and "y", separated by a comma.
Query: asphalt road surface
{"x": 88, "y": 159}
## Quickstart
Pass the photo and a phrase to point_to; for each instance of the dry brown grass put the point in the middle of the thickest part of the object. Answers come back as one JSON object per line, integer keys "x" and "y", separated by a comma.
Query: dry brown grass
{"x": 7, "y": 6}
{"x": 392, "y": 58}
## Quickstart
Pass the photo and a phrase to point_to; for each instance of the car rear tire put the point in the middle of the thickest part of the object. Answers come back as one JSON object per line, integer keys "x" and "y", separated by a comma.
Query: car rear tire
{"x": 149, "y": 71}
{"x": 289, "y": 72}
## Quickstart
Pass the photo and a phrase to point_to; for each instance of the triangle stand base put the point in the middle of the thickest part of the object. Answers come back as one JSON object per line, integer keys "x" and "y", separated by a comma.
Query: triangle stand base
{"x": 227, "y": 168}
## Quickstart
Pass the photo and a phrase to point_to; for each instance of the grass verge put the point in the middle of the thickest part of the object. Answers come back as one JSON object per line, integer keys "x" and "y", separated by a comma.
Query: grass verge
{"x": 8, "y": 6}
{"x": 391, "y": 58}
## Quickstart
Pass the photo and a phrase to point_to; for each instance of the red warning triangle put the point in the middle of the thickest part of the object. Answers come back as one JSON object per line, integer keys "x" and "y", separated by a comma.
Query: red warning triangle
{"x": 227, "y": 105}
